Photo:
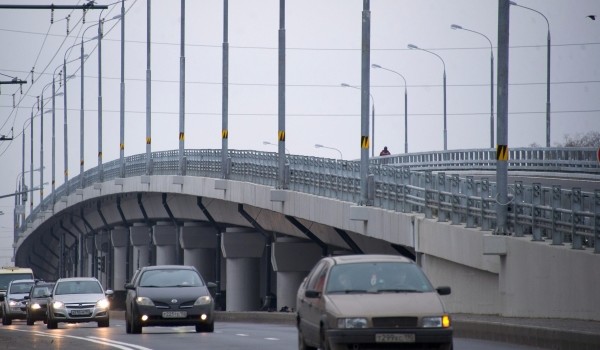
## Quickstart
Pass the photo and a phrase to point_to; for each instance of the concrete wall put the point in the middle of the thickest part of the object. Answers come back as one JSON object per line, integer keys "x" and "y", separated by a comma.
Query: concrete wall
{"x": 488, "y": 275}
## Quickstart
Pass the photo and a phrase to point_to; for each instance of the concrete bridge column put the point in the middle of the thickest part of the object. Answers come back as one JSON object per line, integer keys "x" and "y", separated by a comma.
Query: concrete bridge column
{"x": 164, "y": 236}
{"x": 90, "y": 249}
{"x": 292, "y": 260}
{"x": 120, "y": 239}
{"x": 102, "y": 243}
{"x": 242, "y": 249}
{"x": 199, "y": 242}
{"x": 139, "y": 234}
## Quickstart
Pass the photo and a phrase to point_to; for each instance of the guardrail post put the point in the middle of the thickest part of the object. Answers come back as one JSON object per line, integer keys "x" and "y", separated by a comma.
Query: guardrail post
{"x": 597, "y": 221}
{"x": 536, "y": 212}
{"x": 428, "y": 195}
{"x": 518, "y": 209}
{"x": 441, "y": 197}
{"x": 576, "y": 201}
{"x": 406, "y": 208}
{"x": 470, "y": 202}
{"x": 456, "y": 204}
{"x": 371, "y": 189}
{"x": 557, "y": 236}
{"x": 485, "y": 204}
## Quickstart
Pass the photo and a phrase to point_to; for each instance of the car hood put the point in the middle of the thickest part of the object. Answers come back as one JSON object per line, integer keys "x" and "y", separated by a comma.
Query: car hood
{"x": 18, "y": 296}
{"x": 384, "y": 304}
{"x": 79, "y": 298}
{"x": 168, "y": 293}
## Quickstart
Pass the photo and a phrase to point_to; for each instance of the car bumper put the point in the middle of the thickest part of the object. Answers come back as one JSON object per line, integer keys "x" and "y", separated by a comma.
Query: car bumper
{"x": 16, "y": 313}
{"x": 193, "y": 316}
{"x": 368, "y": 336}
{"x": 36, "y": 315}
{"x": 66, "y": 315}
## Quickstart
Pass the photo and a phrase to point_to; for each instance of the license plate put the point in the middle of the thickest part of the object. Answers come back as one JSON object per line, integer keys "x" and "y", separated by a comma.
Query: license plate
{"x": 395, "y": 338}
{"x": 80, "y": 312}
{"x": 174, "y": 314}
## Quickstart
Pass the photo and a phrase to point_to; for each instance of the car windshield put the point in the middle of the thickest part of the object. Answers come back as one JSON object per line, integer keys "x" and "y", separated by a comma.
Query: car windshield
{"x": 78, "y": 287}
{"x": 41, "y": 291}
{"x": 170, "y": 278}
{"x": 377, "y": 277}
{"x": 5, "y": 279}
{"x": 20, "y": 288}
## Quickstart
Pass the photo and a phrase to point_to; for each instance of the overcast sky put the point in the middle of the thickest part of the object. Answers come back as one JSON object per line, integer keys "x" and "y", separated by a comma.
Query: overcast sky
{"x": 323, "y": 50}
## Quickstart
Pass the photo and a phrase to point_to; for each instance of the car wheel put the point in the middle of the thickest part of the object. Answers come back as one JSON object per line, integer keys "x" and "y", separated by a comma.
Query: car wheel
{"x": 104, "y": 323}
{"x": 127, "y": 324}
{"x": 301, "y": 344}
{"x": 30, "y": 321}
{"x": 447, "y": 346}
{"x": 6, "y": 321}
{"x": 136, "y": 326}
{"x": 205, "y": 328}
{"x": 324, "y": 341}
{"x": 51, "y": 324}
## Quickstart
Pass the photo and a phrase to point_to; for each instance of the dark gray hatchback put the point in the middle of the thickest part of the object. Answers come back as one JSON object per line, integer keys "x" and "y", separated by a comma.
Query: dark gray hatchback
{"x": 168, "y": 295}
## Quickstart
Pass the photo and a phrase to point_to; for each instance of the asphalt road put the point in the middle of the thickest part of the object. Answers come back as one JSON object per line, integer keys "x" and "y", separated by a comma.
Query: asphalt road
{"x": 227, "y": 336}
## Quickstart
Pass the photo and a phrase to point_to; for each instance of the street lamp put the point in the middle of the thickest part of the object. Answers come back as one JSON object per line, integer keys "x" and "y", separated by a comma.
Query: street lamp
{"x": 414, "y": 47}
{"x": 372, "y": 117}
{"x": 457, "y": 27}
{"x": 274, "y": 144}
{"x": 547, "y": 71}
{"x": 332, "y": 148}
{"x": 405, "y": 104}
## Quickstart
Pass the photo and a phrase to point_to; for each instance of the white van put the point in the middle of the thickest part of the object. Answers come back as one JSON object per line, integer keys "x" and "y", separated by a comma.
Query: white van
{"x": 11, "y": 273}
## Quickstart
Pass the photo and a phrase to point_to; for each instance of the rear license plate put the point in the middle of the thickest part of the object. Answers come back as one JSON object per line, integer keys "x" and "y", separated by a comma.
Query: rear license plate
{"x": 394, "y": 338}
{"x": 174, "y": 314}
{"x": 80, "y": 312}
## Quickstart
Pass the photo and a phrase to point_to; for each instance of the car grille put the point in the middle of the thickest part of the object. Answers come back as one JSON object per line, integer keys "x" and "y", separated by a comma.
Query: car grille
{"x": 183, "y": 305}
{"x": 80, "y": 305}
{"x": 395, "y": 322}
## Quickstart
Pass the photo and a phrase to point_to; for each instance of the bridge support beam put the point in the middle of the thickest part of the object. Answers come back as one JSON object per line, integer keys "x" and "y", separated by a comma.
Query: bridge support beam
{"x": 292, "y": 260}
{"x": 102, "y": 242}
{"x": 119, "y": 237}
{"x": 198, "y": 242}
{"x": 139, "y": 234}
{"x": 90, "y": 250}
{"x": 164, "y": 236}
{"x": 242, "y": 250}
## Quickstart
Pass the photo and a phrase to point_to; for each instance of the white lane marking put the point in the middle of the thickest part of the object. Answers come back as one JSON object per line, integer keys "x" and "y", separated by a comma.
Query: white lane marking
{"x": 271, "y": 338}
{"x": 242, "y": 335}
{"x": 121, "y": 343}
{"x": 114, "y": 345}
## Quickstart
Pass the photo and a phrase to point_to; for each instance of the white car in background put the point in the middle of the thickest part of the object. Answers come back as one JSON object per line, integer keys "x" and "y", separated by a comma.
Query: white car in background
{"x": 78, "y": 299}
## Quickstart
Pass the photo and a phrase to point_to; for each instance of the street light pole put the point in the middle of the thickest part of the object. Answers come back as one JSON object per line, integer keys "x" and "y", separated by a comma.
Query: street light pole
{"x": 405, "y": 104}
{"x": 332, "y": 148}
{"x": 548, "y": 45}
{"x": 372, "y": 117}
{"x": 455, "y": 26}
{"x": 411, "y": 46}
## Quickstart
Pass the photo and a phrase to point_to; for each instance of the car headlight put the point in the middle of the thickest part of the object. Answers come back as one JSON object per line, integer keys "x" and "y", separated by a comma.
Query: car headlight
{"x": 144, "y": 301}
{"x": 35, "y": 306}
{"x": 102, "y": 304}
{"x": 352, "y": 322}
{"x": 436, "y": 322}
{"x": 203, "y": 300}
{"x": 58, "y": 305}
{"x": 13, "y": 303}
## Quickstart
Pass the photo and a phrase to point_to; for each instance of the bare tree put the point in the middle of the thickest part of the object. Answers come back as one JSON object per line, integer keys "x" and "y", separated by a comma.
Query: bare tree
{"x": 589, "y": 139}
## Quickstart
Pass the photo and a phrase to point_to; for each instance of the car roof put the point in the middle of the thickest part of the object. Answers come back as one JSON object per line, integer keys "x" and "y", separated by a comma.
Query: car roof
{"x": 44, "y": 284}
{"x": 21, "y": 281}
{"x": 350, "y": 259}
{"x": 167, "y": 267}
{"x": 76, "y": 279}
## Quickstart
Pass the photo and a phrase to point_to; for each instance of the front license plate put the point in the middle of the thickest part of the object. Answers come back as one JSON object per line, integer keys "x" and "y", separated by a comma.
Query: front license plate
{"x": 80, "y": 312}
{"x": 394, "y": 338}
{"x": 174, "y": 314}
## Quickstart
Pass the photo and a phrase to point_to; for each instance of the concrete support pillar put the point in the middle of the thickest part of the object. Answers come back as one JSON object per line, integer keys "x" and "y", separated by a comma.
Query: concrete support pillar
{"x": 102, "y": 242}
{"x": 198, "y": 242}
{"x": 90, "y": 249}
{"x": 164, "y": 236}
{"x": 292, "y": 260}
{"x": 142, "y": 245}
{"x": 242, "y": 250}
{"x": 119, "y": 237}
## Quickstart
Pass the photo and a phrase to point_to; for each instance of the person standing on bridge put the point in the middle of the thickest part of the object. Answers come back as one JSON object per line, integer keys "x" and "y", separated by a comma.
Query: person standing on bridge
{"x": 384, "y": 152}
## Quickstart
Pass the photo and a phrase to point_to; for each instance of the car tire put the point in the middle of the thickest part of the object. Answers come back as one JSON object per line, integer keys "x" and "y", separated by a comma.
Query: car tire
{"x": 324, "y": 341}
{"x": 6, "y": 321}
{"x": 51, "y": 324}
{"x": 104, "y": 323}
{"x": 127, "y": 324}
{"x": 29, "y": 320}
{"x": 205, "y": 328}
{"x": 136, "y": 326}
{"x": 302, "y": 344}
{"x": 447, "y": 346}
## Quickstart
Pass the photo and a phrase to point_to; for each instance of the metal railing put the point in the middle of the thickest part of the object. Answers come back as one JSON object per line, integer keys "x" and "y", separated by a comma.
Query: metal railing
{"x": 412, "y": 183}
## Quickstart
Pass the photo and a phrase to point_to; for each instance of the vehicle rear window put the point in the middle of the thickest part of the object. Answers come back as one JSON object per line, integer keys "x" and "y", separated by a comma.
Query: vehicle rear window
{"x": 20, "y": 288}
{"x": 5, "y": 279}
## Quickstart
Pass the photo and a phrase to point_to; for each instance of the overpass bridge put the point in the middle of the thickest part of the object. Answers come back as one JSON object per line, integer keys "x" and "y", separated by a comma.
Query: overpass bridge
{"x": 257, "y": 240}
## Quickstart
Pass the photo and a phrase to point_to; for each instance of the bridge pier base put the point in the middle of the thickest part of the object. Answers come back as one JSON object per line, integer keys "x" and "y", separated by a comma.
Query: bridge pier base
{"x": 164, "y": 235}
{"x": 242, "y": 250}
{"x": 199, "y": 243}
{"x": 139, "y": 234}
{"x": 119, "y": 237}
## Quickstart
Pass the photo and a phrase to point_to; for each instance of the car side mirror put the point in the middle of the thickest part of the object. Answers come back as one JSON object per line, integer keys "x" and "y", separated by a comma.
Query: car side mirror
{"x": 109, "y": 293}
{"x": 443, "y": 290}
{"x": 211, "y": 285}
{"x": 312, "y": 294}
{"x": 26, "y": 297}
{"x": 2, "y": 296}
{"x": 129, "y": 286}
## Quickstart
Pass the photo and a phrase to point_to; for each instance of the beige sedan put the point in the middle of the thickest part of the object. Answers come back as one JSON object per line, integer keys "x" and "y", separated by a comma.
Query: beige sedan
{"x": 377, "y": 301}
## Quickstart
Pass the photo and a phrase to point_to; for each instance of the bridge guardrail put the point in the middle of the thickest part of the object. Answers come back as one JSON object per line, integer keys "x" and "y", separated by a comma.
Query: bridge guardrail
{"x": 412, "y": 183}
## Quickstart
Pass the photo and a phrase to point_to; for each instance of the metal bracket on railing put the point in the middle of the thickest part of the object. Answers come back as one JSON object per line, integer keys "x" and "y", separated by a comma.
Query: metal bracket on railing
{"x": 557, "y": 236}
{"x": 370, "y": 190}
{"x": 576, "y": 202}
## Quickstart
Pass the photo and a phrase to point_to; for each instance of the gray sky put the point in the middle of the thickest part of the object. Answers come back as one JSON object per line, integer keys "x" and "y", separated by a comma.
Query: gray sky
{"x": 323, "y": 50}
